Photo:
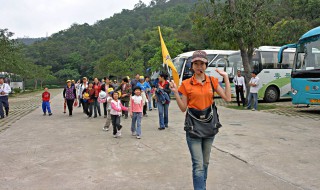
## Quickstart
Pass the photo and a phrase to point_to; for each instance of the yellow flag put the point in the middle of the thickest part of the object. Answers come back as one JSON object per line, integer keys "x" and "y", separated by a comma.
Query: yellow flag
{"x": 167, "y": 59}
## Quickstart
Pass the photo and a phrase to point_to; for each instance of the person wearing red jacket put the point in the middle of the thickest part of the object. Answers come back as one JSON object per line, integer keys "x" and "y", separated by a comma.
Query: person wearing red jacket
{"x": 96, "y": 104}
{"x": 46, "y": 102}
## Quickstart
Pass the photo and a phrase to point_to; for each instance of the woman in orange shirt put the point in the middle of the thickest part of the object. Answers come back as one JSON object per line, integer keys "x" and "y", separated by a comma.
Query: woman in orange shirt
{"x": 197, "y": 93}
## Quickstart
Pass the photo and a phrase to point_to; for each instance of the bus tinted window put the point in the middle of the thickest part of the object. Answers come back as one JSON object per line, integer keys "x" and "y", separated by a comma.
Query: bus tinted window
{"x": 269, "y": 60}
{"x": 308, "y": 57}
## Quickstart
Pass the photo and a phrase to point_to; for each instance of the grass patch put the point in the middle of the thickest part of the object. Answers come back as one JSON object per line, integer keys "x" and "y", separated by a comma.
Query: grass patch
{"x": 260, "y": 107}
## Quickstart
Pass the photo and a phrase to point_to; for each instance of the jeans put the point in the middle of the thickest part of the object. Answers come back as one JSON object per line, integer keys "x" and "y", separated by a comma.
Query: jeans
{"x": 96, "y": 108}
{"x": 255, "y": 100}
{"x": 163, "y": 114}
{"x": 200, "y": 149}
{"x": 45, "y": 107}
{"x": 115, "y": 119}
{"x": 154, "y": 103}
{"x": 136, "y": 118}
{"x": 4, "y": 103}
{"x": 149, "y": 100}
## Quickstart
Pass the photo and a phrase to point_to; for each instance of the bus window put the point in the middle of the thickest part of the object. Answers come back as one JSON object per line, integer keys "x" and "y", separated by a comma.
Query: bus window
{"x": 269, "y": 60}
{"x": 287, "y": 60}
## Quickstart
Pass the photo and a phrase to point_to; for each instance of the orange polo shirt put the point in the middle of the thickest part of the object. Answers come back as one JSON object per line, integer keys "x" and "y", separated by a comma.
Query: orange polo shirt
{"x": 200, "y": 96}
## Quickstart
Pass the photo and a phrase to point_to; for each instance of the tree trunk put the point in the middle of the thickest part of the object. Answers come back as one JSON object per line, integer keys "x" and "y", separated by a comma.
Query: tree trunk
{"x": 35, "y": 83}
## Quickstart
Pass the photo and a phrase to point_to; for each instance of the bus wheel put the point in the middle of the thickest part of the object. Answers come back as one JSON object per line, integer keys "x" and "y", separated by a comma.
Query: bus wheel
{"x": 271, "y": 94}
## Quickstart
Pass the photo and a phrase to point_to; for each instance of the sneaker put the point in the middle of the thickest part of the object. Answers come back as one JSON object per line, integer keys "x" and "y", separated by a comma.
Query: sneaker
{"x": 134, "y": 134}
{"x": 253, "y": 109}
{"x": 138, "y": 137}
{"x": 44, "y": 114}
{"x": 126, "y": 117}
{"x": 150, "y": 109}
{"x": 155, "y": 108}
{"x": 105, "y": 116}
{"x": 50, "y": 114}
{"x": 166, "y": 126}
{"x": 119, "y": 133}
{"x": 115, "y": 136}
{"x": 105, "y": 128}
{"x": 161, "y": 128}
{"x": 146, "y": 115}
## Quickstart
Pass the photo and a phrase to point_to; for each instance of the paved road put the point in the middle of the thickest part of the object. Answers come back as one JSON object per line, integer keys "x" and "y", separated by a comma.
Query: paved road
{"x": 254, "y": 150}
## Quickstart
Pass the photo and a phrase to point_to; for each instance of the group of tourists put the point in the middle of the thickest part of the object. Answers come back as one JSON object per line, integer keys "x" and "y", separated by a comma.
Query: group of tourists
{"x": 5, "y": 90}
{"x": 131, "y": 97}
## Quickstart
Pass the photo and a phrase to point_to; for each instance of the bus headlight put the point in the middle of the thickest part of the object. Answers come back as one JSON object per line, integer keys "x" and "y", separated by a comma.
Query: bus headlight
{"x": 294, "y": 91}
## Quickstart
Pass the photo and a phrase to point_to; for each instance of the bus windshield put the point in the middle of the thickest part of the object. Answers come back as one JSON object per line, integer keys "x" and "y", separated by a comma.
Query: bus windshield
{"x": 178, "y": 63}
{"x": 308, "y": 56}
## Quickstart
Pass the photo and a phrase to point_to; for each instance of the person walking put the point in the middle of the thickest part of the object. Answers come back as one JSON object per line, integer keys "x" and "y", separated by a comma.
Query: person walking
{"x": 81, "y": 87}
{"x": 163, "y": 100}
{"x": 5, "y": 90}
{"x": 254, "y": 88}
{"x": 125, "y": 90}
{"x": 69, "y": 94}
{"x": 104, "y": 87}
{"x": 116, "y": 108}
{"x": 78, "y": 95}
{"x": 240, "y": 87}
{"x": 109, "y": 99}
{"x": 197, "y": 92}
{"x": 88, "y": 99}
{"x": 145, "y": 87}
{"x": 46, "y": 102}
{"x": 134, "y": 82}
{"x": 96, "y": 104}
{"x": 148, "y": 92}
{"x": 136, "y": 108}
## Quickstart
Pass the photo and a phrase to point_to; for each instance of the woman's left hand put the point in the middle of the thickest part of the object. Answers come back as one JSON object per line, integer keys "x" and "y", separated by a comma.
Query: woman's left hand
{"x": 222, "y": 73}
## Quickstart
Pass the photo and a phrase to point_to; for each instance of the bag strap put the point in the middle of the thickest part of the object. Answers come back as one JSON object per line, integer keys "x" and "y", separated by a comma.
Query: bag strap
{"x": 212, "y": 88}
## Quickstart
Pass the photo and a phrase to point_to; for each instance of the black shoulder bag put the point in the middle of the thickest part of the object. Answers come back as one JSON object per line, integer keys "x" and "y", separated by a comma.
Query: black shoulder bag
{"x": 202, "y": 123}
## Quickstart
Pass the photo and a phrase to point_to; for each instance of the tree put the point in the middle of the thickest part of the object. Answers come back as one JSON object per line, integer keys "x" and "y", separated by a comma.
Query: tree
{"x": 242, "y": 23}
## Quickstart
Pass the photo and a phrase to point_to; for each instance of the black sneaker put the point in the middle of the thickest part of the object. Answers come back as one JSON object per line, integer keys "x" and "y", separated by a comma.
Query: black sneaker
{"x": 50, "y": 114}
{"x": 166, "y": 126}
{"x": 161, "y": 128}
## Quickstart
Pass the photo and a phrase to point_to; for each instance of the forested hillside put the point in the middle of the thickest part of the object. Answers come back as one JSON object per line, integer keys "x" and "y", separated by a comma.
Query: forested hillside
{"x": 124, "y": 44}
{"x": 128, "y": 42}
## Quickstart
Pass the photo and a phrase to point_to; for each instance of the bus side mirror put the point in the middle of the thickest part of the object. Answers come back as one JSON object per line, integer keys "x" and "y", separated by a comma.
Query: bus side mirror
{"x": 280, "y": 54}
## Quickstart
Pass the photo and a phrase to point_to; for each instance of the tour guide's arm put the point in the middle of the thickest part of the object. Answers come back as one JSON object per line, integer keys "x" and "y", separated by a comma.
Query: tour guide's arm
{"x": 223, "y": 93}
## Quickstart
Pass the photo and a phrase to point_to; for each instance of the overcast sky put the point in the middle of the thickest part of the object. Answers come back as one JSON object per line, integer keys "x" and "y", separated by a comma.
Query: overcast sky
{"x": 38, "y": 18}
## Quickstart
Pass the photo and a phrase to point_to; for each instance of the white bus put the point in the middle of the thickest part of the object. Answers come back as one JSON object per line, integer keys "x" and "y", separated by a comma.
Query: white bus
{"x": 216, "y": 59}
{"x": 274, "y": 77}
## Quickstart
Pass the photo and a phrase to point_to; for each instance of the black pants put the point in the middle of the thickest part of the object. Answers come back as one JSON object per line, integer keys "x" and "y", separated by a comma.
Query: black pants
{"x": 239, "y": 91}
{"x": 70, "y": 106}
{"x": 115, "y": 119}
{"x": 145, "y": 109}
{"x": 105, "y": 105}
{"x": 88, "y": 108}
{"x": 125, "y": 104}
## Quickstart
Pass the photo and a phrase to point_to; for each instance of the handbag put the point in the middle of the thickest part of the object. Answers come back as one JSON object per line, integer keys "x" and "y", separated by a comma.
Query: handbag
{"x": 202, "y": 123}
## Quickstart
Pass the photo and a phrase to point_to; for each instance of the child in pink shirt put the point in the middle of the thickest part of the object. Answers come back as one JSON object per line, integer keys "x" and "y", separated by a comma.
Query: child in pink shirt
{"x": 136, "y": 109}
{"x": 116, "y": 108}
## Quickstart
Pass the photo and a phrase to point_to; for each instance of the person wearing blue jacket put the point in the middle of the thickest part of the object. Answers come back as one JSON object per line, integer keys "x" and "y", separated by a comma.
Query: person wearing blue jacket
{"x": 145, "y": 87}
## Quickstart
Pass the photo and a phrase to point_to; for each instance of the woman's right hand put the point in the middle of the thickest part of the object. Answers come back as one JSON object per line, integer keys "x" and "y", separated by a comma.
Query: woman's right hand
{"x": 173, "y": 87}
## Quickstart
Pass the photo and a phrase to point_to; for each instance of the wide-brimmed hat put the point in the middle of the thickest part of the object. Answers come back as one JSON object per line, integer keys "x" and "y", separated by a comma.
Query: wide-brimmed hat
{"x": 199, "y": 55}
{"x": 102, "y": 94}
